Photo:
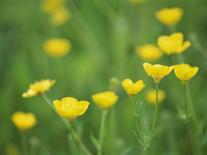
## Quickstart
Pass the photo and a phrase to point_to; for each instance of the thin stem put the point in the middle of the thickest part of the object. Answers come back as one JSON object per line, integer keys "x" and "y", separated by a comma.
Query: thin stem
{"x": 24, "y": 143}
{"x": 101, "y": 133}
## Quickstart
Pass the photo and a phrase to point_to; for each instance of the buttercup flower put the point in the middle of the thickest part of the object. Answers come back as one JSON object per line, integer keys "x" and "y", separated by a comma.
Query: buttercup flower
{"x": 185, "y": 72}
{"x": 57, "y": 47}
{"x": 70, "y": 107}
{"x": 157, "y": 72}
{"x": 132, "y": 88}
{"x": 151, "y": 96}
{"x": 60, "y": 16}
{"x": 105, "y": 99}
{"x": 49, "y": 6}
{"x": 23, "y": 121}
{"x": 169, "y": 16}
{"x": 38, "y": 88}
{"x": 173, "y": 44}
{"x": 149, "y": 52}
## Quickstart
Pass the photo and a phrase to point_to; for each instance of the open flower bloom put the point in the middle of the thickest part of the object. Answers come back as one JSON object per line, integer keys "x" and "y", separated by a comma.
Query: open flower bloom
{"x": 49, "y": 6}
{"x": 132, "y": 88}
{"x": 169, "y": 16}
{"x": 38, "y": 87}
{"x": 151, "y": 96}
{"x": 70, "y": 107}
{"x": 173, "y": 44}
{"x": 157, "y": 72}
{"x": 60, "y": 16}
{"x": 23, "y": 121}
{"x": 185, "y": 72}
{"x": 149, "y": 52}
{"x": 57, "y": 47}
{"x": 105, "y": 99}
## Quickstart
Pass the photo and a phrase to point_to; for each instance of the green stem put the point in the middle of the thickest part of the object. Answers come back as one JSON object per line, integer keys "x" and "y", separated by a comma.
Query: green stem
{"x": 24, "y": 143}
{"x": 101, "y": 133}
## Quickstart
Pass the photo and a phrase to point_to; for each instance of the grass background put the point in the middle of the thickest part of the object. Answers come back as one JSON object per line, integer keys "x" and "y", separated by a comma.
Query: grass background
{"x": 104, "y": 34}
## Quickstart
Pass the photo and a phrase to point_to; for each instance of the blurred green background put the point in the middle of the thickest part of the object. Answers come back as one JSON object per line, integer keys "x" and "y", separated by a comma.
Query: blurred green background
{"x": 104, "y": 35}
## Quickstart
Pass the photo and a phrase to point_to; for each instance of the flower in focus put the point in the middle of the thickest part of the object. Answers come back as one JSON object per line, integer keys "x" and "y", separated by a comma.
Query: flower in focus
{"x": 24, "y": 121}
{"x": 151, "y": 96}
{"x": 157, "y": 72}
{"x": 132, "y": 88}
{"x": 169, "y": 16}
{"x": 49, "y": 6}
{"x": 70, "y": 107}
{"x": 185, "y": 72}
{"x": 149, "y": 52}
{"x": 173, "y": 44}
{"x": 60, "y": 16}
{"x": 105, "y": 99}
{"x": 38, "y": 88}
{"x": 57, "y": 47}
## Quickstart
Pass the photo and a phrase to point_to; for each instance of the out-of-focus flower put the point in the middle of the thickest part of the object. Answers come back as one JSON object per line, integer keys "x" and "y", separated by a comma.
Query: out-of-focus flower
{"x": 132, "y": 88}
{"x": 185, "y": 72}
{"x": 149, "y": 52}
{"x": 173, "y": 44}
{"x": 12, "y": 149}
{"x": 151, "y": 96}
{"x": 105, "y": 99}
{"x": 137, "y": 2}
{"x": 157, "y": 72}
{"x": 113, "y": 83}
{"x": 23, "y": 121}
{"x": 70, "y": 107}
{"x": 38, "y": 88}
{"x": 49, "y": 6}
{"x": 60, "y": 16}
{"x": 169, "y": 16}
{"x": 57, "y": 47}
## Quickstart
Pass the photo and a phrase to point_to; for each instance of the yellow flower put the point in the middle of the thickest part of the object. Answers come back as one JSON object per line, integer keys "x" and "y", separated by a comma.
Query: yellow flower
{"x": 57, "y": 47}
{"x": 169, "y": 16}
{"x": 105, "y": 99}
{"x": 60, "y": 17}
{"x": 49, "y": 6}
{"x": 132, "y": 88}
{"x": 185, "y": 72}
{"x": 23, "y": 121}
{"x": 38, "y": 88}
{"x": 151, "y": 96}
{"x": 173, "y": 44}
{"x": 157, "y": 72}
{"x": 149, "y": 52}
{"x": 70, "y": 107}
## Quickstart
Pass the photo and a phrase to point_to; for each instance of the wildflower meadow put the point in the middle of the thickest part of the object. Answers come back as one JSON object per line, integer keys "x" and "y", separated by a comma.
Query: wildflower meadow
{"x": 103, "y": 77}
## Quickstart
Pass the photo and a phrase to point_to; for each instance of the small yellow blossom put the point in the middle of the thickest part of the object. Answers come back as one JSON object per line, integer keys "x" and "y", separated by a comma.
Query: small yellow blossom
{"x": 132, "y": 88}
{"x": 38, "y": 88}
{"x": 173, "y": 44}
{"x": 49, "y": 6}
{"x": 149, "y": 52}
{"x": 70, "y": 107}
{"x": 157, "y": 72}
{"x": 169, "y": 16}
{"x": 151, "y": 96}
{"x": 57, "y": 47}
{"x": 105, "y": 99}
{"x": 185, "y": 72}
{"x": 60, "y": 16}
{"x": 23, "y": 121}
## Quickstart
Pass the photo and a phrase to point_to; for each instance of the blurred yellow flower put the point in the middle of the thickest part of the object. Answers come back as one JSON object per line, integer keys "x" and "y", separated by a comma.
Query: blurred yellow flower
{"x": 49, "y": 6}
{"x": 12, "y": 149}
{"x": 137, "y": 2}
{"x": 70, "y": 107}
{"x": 38, "y": 88}
{"x": 60, "y": 16}
{"x": 23, "y": 121}
{"x": 185, "y": 72}
{"x": 57, "y": 47}
{"x": 169, "y": 16}
{"x": 149, "y": 52}
{"x": 151, "y": 96}
{"x": 173, "y": 44}
{"x": 132, "y": 88}
{"x": 105, "y": 99}
{"x": 157, "y": 72}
